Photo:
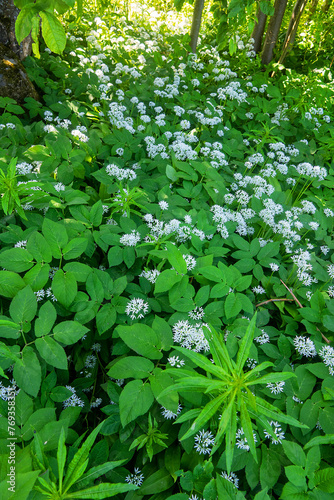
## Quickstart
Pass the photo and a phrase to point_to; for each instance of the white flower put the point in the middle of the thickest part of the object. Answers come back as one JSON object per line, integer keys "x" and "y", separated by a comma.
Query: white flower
{"x": 136, "y": 478}
{"x": 151, "y": 276}
{"x": 251, "y": 363}
{"x": 59, "y": 187}
{"x": 96, "y": 403}
{"x": 136, "y": 308}
{"x": 96, "y": 347}
{"x": 203, "y": 442}
{"x": 278, "y": 432}
{"x": 190, "y": 336}
{"x": 197, "y": 313}
{"x": 241, "y": 441}
{"x": 90, "y": 361}
{"x": 163, "y": 205}
{"x": 130, "y": 239}
{"x": 168, "y": 414}
{"x": 175, "y": 361}
{"x": 40, "y": 294}
{"x": 327, "y": 355}
{"x": 232, "y": 478}
{"x": 73, "y": 400}
{"x": 330, "y": 291}
{"x": 21, "y": 244}
{"x": 274, "y": 267}
{"x": 190, "y": 261}
{"x": 262, "y": 339}
{"x": 276, "y": 388}
{"x": 120, "y": 151}
{"x": 330, "y": 270}
{"x": 258, "y": 289}
{"x": 305, "y": 346}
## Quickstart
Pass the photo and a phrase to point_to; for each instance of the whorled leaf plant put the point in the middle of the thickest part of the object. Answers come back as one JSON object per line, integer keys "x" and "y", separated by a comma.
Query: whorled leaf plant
{"x": 74, "y": 482}
{"x": 230, "y": 390}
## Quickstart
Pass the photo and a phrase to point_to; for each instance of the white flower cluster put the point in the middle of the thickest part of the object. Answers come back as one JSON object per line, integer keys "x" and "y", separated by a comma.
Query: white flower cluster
{"x": 121, "y": 173}
{"x": 203, "y": 442}
{"x": 136, "y": 308}
{"x": 327, "y": 355}
{"x": 151, "y": 276}
{"x": 190, "y": 336}
{"x": 241, "y": 440}
{"x": 136, "y": 478}
{"x": 73, "y": 400}
{"x": 305, "y": 346}
{"x": 277, "y": 431}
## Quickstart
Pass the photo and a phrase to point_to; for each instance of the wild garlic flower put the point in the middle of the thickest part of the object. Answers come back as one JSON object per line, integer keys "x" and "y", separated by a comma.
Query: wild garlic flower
{"x": 130, "y": 239}
{"x": 197, "y": 313}
{"x": 203, "y": 442}
{"x": 241, "y": 440}
{"x": 21, "y": 244}
{"x": 136, "y": 308}
{"x": 262, "y": 339}
{"x": 190, "y": 261}
{"x": 73, "y": 400}
{"x": 190, "y": 336}
{"x": 232, "y": 478}
{"x": 258, "y": 290}
{"x": 150, "y": 275}
{"x": 175, "y": 361}
{"x": 327, "y": 355}
{"x": 136, "y": 478}
{"x": 278, "y": 432}
{"x": 168, "y": 414}
{"x": 59, "y": 187}
{"x": 163, "y": 205}
{"x": 40, "y": 294}
{"x": 330, "y": 270}
{"x": 274, "y": 267}
{"x": 305, "y": 346}
{"x": 276, "y": 388}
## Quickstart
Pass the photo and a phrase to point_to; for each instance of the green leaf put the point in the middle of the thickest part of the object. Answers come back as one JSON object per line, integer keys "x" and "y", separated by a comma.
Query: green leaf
{"x": 23, "y": 22}
{"x": 64, "y": 287}
{"x": 61, "y": 457}
{"x": 313, "y": 459}
{"x": 53, "y": 32}
{"x": 232, "y": 306}
{"x": 157, "y": 482}
{"x": 38, "y": 276}
{"x": 39, "y": 248}
{"x": 97, "y": 471}
{"x": 324, "y": 480}
{"x": 27, "y": 372}
{"x": 131, "y": 367}
{"x": 10, "y": 284}
{"x": 75, "y": 248}
{"x": 296, "y": 475}
{"x": 47, "y": 316}
{"x": 115, "y": 256}
{"x": 294, "y": 452}
{"x": 23, "y": 307}
{"x": 159, "y": 381}
{"x": 318, "y": 440}
{"x": 142, "y": 339}
{"x": 96, "y": 213}
{"x": 69, "y": 332}
{"x": 16, "y": 259}
{"x": 8, "y": 329}
{"x": 105, "y": 318}
{"x": 175, "y": 258}
{"x": 23, "y": 408}
{"x": 166, "y": 280}
{"x": 270, "y": 469}
{"x": 52, "y": 352}
{"x": 268, "y": 410}
{"x": 135, "y": 400}
{"x": 56, "y": 236}
{"x": 208, "y": 411}
{"x": 246, "y": 344}
{"x": 24, "y": 483}
{"x": 163, "y": 332}
{"x": 103, "y": 490}
{"x": 60, "y": 394}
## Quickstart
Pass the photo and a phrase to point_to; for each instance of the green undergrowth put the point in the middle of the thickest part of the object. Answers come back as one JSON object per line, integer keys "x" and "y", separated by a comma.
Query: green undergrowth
{"x": 167, "y": 273}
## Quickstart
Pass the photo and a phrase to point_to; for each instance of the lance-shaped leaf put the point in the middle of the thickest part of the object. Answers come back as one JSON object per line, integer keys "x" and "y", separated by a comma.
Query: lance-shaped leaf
{"x": 61, "y": 458}
{"x": 202, "y": 362}
{"x": 247, "y": 427}
{"x": 265, "y": 408}
{"x": 231, "y": 437}
{"x": 80, "y": 459}
{"x": 258, "y": 368}
{"x": 218, "y": 349}
{"x": 198, "y": 384}
{"x": 97, "y": 471}
{"x": 246, "y": 344}
{"x": 272, "y": 377}
{"x": 224, "y": 421}
{"x": 208, "y": 411}
{"x": 103, "y": 490}
{"x": 188, "y": 416}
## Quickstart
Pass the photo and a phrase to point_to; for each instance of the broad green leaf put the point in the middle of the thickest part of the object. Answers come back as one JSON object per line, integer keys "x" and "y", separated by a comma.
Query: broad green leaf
{"x": 37, "y": 277}
{"x": 24, "y": 483}
{"x": 16, "y": 259}
{"x": 159, "y": 381}
{"x": 23, "y": 307}
{"x": 159, "y": 481}
{"x": 105, "y": 318}
{"x": 175, "y": 258}
{"x": 69, "y": 332}
{"x": 203, "y": 362}
{"x": 10, "y": 284}
{"x": 53, "y": 32}
{"x": 96, "y": 472}
{"x": 142, "y": 339}
{"x": 270, "y": 468}
{"x": 166, "y": 280}
{"x": 27, "y": 372}
{"x": 8, "y": 329}
{"x": 296, "y": 475}
{"x": 294, "y": 452}
{"x": 52, "y": 352}
{"x": 324, "y": 479}
{"x": 23, "y": 22}
{"x": 47, "y": 316}
{"x": 318, "y": 440}
{"x": 135, "y": 400}
{"x": 164, "y": 332}
{"x": 56, "y": 236}
{"x": 232, "y": 306}
{"x": 60, "y": 394}
{"x": 39, "y": 248}
{"x": 23, "y": 408}
{"x": 131, "y": 367}
{"x": 313, "y": 459}
{"x": 79, "y": 270}
{"x": 75, "y": 248}
{"x": 64, "y": 287}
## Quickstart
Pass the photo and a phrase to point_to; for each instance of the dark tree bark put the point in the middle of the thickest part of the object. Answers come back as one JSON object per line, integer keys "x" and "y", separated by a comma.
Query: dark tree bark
{"x": 196, "y": 24}
{"x": 312, "y": 9}
{"x": 258, "y": 30}
{"x": 292, "y": 29}
{"x": 273, "y": 31}
{"x": 8, "y": 15}
{"x": 326, "y": 5}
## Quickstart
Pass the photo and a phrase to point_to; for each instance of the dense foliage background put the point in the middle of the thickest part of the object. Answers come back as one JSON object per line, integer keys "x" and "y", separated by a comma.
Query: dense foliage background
{"x": 167, "y": 261}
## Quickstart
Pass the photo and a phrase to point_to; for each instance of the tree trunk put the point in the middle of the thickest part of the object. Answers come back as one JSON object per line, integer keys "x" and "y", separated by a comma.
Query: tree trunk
{"x": 8, "y": 15}
{"x": 326, "y": 5}
{"x": 312, "y": 9}
{"x": 196, "y": 24}
{"x": 292, "y": 29}
{"x": 273, "y": 31}
{"x": 258, "y": 30}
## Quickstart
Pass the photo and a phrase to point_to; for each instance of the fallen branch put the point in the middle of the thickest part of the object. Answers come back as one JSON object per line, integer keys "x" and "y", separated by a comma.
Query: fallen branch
{"x": 295, "y": 298}
{"x": 272, "y": 300}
